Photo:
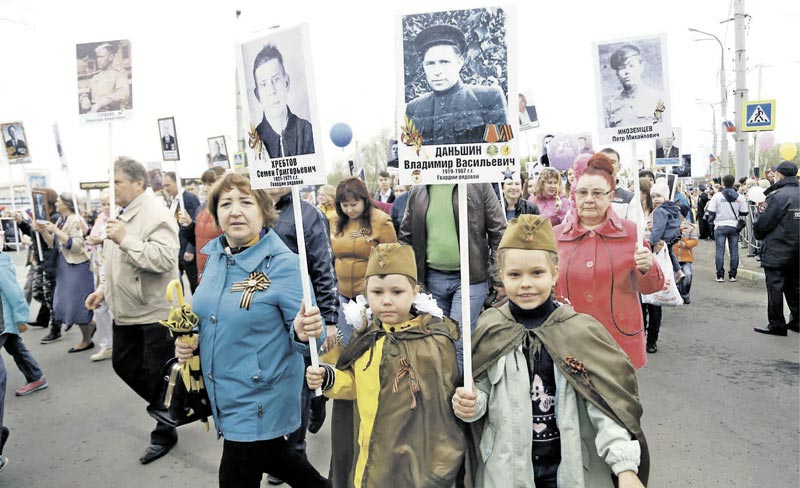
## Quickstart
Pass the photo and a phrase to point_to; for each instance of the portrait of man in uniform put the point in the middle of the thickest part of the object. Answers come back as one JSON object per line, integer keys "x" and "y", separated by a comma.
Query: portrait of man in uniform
{"x": 281, "y": 131}
{"x": 452, "y": 112}
{"x": 169, "y": 139}
{"x": 217, "y": 151}
{"x": 109, "y": 88}
{"x": 634, "y": 102}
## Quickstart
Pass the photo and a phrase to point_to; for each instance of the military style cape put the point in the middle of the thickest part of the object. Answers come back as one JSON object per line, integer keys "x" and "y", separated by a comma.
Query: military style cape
{"x": 404, "y": 449}
{"x": 584, "y": 352}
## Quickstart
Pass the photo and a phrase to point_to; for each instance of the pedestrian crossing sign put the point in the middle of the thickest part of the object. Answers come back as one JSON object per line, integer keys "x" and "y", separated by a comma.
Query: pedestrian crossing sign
{"x": 758, "y": 115}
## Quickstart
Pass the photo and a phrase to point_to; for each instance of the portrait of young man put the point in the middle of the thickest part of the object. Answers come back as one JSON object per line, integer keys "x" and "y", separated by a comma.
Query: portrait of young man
{"x": 635, "y": 103}
{"x": 281, "y": 131}
{"x": 452, "y": 112}
{"x": 14, "y": 136}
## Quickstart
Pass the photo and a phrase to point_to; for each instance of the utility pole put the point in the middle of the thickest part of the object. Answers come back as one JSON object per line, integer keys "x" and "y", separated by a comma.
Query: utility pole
{"x": 740, "y": 95}
{"x": 723, "y": 97}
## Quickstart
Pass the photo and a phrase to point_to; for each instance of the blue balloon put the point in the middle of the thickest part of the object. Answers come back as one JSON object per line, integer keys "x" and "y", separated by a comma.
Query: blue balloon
{"x": 341, "y": 134}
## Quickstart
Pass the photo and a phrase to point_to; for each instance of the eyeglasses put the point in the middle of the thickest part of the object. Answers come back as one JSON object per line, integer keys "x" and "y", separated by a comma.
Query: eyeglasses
{"x": 583, "y": 193}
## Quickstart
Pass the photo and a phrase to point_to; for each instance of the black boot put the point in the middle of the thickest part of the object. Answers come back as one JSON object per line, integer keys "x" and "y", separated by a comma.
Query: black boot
{"x": 778, "y": 331}
{"x": 53, "y": 336}
{"x": 42, "y": 318}
{"x": 3, "y": 438}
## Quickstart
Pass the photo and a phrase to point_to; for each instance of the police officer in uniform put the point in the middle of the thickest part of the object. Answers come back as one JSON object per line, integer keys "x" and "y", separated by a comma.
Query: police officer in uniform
{"x": 453, "y": 113}
{"x": 109, "y": 89}
{"x": 636, "y": 104}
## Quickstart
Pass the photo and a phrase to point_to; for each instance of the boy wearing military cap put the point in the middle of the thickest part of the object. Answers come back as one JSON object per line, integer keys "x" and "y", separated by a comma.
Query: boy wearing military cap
{"x": 400, "y": 368}
{"x": 452, "y": 113}
{"x": 533, "y": 350}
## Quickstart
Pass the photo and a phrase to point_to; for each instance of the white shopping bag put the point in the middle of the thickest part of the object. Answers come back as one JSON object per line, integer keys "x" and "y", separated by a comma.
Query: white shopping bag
{"x": 669, "y": 295}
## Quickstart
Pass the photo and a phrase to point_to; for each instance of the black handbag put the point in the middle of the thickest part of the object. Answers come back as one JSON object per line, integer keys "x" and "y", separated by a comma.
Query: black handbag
{"x": 740, "y": 223}
{"x": 175, "y": 405}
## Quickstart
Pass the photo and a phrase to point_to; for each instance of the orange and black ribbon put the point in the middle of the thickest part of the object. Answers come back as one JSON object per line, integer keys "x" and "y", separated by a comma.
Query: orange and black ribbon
{"x": 413, "y": 383}
{"x": 256, "y": 281}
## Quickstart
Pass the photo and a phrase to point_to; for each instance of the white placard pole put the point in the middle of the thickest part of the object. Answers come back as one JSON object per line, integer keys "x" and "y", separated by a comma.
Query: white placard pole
{"x": 637, "y": 200}
{"x": 17, "y": 239}
{"x": 463, "y": 248}
{"x": 112, "y": 198}
{"x": 180, "y": 189}
{"x": 304, "y": 278}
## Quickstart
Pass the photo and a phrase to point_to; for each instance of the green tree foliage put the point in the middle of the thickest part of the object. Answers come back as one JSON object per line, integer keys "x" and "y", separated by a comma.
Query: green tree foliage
{"x": 485, "y": 59}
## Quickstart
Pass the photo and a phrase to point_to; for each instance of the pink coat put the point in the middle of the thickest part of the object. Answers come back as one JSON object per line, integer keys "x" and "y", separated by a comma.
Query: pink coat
{"x": 547, "y": 207}
{"x": 597, "y": 273}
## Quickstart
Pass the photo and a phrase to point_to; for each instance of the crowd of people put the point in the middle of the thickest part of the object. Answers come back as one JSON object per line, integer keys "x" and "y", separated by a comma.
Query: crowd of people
{"x": 557, "y": 275}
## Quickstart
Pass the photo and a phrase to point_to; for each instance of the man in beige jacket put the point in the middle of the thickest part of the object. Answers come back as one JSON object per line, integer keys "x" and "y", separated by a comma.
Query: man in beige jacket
{"x": 141, "y": 257}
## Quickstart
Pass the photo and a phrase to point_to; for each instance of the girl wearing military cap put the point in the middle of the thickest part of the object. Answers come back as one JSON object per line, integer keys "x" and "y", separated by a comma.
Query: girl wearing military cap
{"x": 400, "y": 368}
{"x": 532, "y": 351}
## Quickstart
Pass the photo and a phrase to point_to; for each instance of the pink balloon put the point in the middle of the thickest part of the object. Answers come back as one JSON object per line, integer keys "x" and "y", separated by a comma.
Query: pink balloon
{"x": 766, "y": 141}
{"x": 562, "y": 151}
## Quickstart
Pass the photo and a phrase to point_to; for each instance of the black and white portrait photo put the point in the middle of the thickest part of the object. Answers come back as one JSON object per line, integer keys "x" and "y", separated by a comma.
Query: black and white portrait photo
{"x": 41, "y": 207}
{"x": 633, "y": 91}
{"x": 544, "y": 144}
{"x": 104, "y": 80}
{"x": 277, "y": 91}
{"x": 218, "y": 151}
{"x": 584, "y": 143}
{"x": 169, "y": 139}
{"x": 528, "y": 119}
{"x": 16, "y": 144}
{"x": 668, "y": 150}
{"x": 391, "y": 158}
{"x": 455, "y": 75}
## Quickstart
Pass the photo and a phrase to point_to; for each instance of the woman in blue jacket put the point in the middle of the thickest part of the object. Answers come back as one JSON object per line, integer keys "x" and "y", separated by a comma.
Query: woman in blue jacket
{"x": 253, "y": 335}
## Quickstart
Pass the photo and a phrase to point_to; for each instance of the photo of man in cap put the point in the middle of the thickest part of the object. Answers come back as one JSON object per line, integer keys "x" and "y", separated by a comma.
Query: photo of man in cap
{"x": 109, "y": 89}
{"x": 636, "y": 104}
{"x": 452, "y": 112}
{"x": 282, "y": 132}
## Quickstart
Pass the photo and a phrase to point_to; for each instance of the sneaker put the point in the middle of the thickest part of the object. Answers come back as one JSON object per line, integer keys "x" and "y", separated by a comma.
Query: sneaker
{"x": 733, "y": 279}
{"x": 102, "y": 354}
{"x": 652, "y": 348}
{"x": 272, "y": 480}
{"x": 720, "y": 279}
{"x": 51, "y": 338}
{"x": 31, "y": 387}
{"x": 679, "y": 277}
{"x": 3, "y": 462}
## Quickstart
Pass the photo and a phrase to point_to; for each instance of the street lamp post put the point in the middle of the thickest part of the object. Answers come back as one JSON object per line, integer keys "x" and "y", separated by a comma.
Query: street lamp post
{"x": 723, "y": 95}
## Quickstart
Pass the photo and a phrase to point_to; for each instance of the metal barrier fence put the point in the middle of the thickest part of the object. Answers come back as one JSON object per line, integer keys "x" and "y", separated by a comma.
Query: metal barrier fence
{"x": 746, "y": 237}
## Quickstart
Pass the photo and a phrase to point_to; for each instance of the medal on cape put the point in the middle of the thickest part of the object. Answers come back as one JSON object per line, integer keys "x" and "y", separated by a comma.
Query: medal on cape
{"x": 256, "y": 281}
{"x": 362, "y": 232}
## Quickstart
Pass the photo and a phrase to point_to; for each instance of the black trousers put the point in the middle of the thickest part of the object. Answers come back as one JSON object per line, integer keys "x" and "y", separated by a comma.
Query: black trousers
{"x": 244, "y": 464}
{"x": 652, "y": 320}
{"x": 783, "y": 282}
{"x": 139, "y": 353}
{"x": 190, "y": 268}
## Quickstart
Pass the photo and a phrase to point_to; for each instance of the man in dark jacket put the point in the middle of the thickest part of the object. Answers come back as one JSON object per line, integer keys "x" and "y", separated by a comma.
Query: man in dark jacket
{"x": 778, "y": 228}
{"x": 430, "y": 226}
{"x": 319, "y": 257}
{"x": 452, "y": 113}
{"x": 186, "y": 254}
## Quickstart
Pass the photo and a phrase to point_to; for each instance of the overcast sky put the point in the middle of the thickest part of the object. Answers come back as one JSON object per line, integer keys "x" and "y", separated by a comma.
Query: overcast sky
{"x": 183, "y": 66}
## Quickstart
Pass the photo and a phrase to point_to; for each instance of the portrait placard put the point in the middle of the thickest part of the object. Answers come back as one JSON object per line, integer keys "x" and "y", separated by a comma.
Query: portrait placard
{"x": 276, "y": 79}
{"x": 168, "y": 136}
{"x": 454, "y": 79}
{"x": 104, "y": 81}
{"x": 218, "y": 152}
{"x": 7, "y": 226}
{"x": 41, "y": 207}
{"x": 528, "y": 118}
{"x": 667, "y": 148}
{"x": 60, "y": 149}
{"x": 632, "y": 86}
{"x": 16, "y": 143}
{"x": 239, "y": 160}
{"x": 585, "y": 145}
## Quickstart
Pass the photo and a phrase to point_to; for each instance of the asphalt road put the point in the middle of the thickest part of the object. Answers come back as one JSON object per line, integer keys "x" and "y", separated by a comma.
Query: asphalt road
{"x": 722, "y": 408}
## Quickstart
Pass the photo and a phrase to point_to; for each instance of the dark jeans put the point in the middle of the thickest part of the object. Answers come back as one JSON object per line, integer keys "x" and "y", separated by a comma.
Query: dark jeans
{"x": 244, "y": 464}
{"x": 3, "y": 380}
{"x": 342, "y": 444}
{"x": 22, "y": 356}
{"x": 190, "y": 268}
{"x": 685, "y": 286}
{"x": 139, "y": 353}
{"x": 652, "y": 321}
{"x": 783, "y": 282}
{"x": 721, "y": 235}
{"x": 43, "y": 290}
{"x": 297, "y": 439}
